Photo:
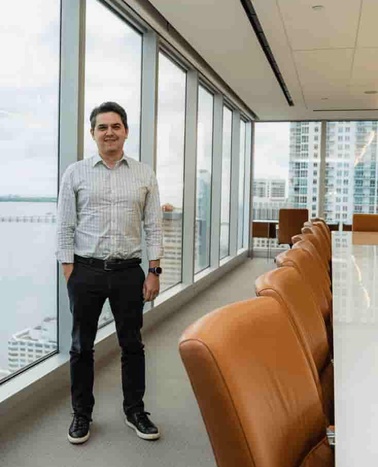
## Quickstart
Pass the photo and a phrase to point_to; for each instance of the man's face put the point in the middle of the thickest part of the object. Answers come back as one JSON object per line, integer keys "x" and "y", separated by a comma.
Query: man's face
{"x": 109, "y": 133}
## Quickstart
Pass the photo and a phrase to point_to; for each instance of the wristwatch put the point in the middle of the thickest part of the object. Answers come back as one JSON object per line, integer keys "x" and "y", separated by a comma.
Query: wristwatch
{"x": 157, "y": 271}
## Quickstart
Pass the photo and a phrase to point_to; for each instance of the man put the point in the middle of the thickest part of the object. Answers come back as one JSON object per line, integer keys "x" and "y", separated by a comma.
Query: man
{"x": 102, "y": 204}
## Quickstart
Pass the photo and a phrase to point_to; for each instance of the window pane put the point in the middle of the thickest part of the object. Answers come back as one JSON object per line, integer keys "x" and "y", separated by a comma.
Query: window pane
{"x": 287, "y": 168}
{"x": 351, "y": 170}
{"x": 204, "y": 163}
{"x": 226, "y": 183}
{"x": 241, "y": 183}
{"x": 113, "y": 65}
{"x": 170, "y": 165}
{"x": 29, "y": 92}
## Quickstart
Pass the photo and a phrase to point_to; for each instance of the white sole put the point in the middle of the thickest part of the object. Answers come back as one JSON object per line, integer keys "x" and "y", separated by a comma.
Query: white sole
{"x": 140, "y": 434}
{"x": 78, "y": 440}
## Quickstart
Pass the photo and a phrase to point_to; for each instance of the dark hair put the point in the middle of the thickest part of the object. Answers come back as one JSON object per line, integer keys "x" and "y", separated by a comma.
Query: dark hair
{"x": 108, "y": 107}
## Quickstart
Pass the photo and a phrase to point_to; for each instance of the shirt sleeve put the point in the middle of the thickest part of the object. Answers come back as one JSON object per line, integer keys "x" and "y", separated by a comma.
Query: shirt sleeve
{"x": 66, "y": 219}
{"x": 153, "y": 221}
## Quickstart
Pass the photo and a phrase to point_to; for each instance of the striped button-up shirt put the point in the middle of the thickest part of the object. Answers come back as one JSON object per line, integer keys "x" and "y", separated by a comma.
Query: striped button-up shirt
{"x": 101, "y": 210}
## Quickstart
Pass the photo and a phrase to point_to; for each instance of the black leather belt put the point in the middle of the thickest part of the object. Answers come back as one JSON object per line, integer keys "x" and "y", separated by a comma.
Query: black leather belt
{"x": 109, "y": 264}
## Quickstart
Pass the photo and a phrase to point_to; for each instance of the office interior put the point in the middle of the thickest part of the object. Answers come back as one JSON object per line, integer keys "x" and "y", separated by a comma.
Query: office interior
{"x": 219, "y": 95}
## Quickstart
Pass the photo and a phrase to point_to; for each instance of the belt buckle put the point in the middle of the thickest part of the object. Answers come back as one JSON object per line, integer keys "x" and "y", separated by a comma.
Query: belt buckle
{"x": 106, "y": 265}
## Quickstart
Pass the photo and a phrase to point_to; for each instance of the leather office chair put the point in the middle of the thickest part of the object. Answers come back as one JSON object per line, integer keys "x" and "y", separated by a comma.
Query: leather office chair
{"x": 325, "y": 243}
{"x": 317, "y": 245}
{"x": 312, "y": 272}
{"x": 255, "y": 389}
{"x": 309, "y": 246}
{"x": 264, "y": 230}
{"x": 294, "y": 294}
{"x": 365, "y": 223}
{"x": 290, "y": 222}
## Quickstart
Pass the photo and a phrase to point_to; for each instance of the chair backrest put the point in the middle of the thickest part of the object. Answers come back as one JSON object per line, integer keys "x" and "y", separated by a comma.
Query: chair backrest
{"x": 324, "y": 228}
{"x": 316, "y": 276}
{"x": 286, "y": 285}
{"x": 305, "y": 243}
{"x": 254, "y": 388}
{"x": 313, "y": 274}
{"x": 261, "y": 230}
{"x": 325, "y": 243}
{"x": 365, "y": 223}
{"x": 290, "y": 222}
{"x": 317, "y": 245}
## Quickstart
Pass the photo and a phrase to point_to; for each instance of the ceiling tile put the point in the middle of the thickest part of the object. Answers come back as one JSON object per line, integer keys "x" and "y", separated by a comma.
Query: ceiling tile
{"x": 365, "y": 68}
{"x": 367, "y": 33}
{"x": 334, "y": 26}
{"x": 317, "y": 67}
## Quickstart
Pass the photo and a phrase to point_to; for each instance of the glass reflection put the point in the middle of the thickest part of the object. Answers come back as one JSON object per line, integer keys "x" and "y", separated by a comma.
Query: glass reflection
{"x": 29, "y": 98}
{"x": 170, "y": 165}
{"x": 226, "y": 184}
{"x": 204, "y": 167}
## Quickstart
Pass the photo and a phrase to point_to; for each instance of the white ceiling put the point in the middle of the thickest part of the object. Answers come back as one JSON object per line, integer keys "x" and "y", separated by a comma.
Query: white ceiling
{"x": 328, "y": 58}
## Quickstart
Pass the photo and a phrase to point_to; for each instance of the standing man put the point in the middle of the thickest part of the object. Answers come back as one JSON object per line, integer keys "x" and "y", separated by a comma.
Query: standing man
{"x": 102, "y": 204}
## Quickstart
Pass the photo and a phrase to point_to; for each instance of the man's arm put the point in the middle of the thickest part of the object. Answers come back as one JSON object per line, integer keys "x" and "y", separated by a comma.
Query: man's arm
{"x": 66, "y": 224}
{"x": 154, "y": 238}
{"x": 151, "y": 286}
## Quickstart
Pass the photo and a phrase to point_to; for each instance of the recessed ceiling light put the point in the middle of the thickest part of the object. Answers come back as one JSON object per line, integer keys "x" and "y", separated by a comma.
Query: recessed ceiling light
{"x": 324, "y": 98}
{"x": 370, "y": 92}
{"x": 317, "y": 7}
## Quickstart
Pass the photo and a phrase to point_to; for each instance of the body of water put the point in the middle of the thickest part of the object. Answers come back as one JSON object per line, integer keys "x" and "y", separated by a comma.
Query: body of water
{"x": 28, "y": 279}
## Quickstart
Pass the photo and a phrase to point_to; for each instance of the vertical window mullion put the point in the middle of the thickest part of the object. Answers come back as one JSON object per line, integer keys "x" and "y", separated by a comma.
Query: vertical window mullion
{"x": 190, "y": 176}
{"x": 234, "y": 201}
{"x": 216, "y": 194}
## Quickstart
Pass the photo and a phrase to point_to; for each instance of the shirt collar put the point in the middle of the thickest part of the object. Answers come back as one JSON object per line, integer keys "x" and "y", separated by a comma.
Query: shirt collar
{"x": 97, "y": 158}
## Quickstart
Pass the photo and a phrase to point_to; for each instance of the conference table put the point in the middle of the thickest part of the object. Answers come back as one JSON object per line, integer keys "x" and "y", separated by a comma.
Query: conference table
{"x": 355, "y": 327}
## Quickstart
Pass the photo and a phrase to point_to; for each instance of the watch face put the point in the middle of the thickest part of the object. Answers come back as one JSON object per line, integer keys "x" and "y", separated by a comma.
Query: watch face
{"x": 158, "y": 270}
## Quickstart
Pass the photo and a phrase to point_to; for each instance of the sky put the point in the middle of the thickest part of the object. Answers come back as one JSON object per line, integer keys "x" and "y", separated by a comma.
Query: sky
{"x": 272, "y": 142}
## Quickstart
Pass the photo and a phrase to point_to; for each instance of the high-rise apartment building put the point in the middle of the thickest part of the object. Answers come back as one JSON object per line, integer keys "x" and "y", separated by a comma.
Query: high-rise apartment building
{"x": 269, "y": 196}
{"x": 31, "y": 344}
{"x": 269, "y": 189}
{"x": 350, "y": 168}
{"x": 304, "y": 165}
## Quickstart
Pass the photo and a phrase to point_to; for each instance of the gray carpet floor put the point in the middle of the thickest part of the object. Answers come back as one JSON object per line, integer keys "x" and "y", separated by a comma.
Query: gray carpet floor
{"x": 40, "y": 439}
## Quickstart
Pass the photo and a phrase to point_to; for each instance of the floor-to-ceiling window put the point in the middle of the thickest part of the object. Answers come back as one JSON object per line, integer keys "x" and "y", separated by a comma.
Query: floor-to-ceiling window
{"x": 351, "y": 170}
{"x": 29, "y": 90}
{"x": 113, "y": 70}
{"x": 101, "y": 61}
{"x": 286, "y": 170}
{"x": 226, "y": 183}
{"x": 203, "y": 186}
{"x": 170, "y": 164}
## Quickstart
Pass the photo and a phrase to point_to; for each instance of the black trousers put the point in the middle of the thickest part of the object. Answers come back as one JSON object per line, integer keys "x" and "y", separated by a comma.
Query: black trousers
{"x": 88, "y": 288}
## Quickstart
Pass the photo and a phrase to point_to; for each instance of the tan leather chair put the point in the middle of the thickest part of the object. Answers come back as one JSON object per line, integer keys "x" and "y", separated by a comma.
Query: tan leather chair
{"x": 309, "y": 246}
{"x": 325, "y": 244}
{"x": 294, "y": 294}
{"x": 290, "y": 222}
{"x": 255, "y": 389}
{"x": 323, "y": 224}
{"x": 312, "y": 272}
{"x": 365, "y": 223}
{"x": 317, "y": 245}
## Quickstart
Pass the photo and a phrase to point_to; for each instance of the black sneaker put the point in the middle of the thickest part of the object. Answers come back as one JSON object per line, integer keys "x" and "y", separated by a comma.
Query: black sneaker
{"x": 143, "y": 426}
{"x": 78, "y": 432}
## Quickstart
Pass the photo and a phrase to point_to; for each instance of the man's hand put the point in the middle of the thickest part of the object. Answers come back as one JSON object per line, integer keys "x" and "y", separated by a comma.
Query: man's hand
{"x": 67, "y": 270}
{"x": 151, "y": 287}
